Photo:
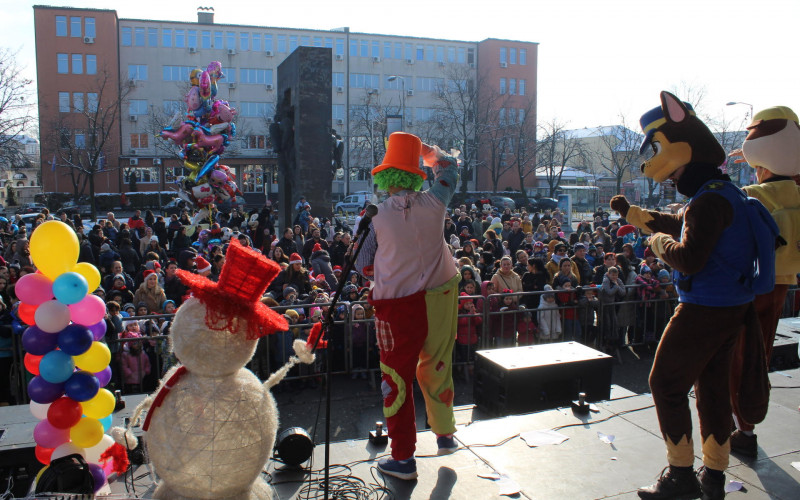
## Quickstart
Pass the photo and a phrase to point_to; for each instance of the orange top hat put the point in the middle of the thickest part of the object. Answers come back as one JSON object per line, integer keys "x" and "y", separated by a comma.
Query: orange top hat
{"x": 402, "y": 153}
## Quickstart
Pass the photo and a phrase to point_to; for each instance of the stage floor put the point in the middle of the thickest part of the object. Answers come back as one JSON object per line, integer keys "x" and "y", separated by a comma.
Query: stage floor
{"x": 582, "y": 467}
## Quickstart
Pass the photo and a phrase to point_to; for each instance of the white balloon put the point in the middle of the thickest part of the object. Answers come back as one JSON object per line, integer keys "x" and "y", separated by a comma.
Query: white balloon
{"x": 93, "y": 453}
{"x": 52, "y": 316}
{"x": 67, "y": 449}
{"x": 39, "y": 410}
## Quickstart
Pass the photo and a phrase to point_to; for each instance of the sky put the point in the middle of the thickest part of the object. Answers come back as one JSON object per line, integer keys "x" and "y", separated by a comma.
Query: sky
{"x": 598, "y": 60}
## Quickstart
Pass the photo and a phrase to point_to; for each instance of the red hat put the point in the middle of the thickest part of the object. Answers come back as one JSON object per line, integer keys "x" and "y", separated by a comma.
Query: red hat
{"x": 337, "y": 268}
{"x": 146, "y": 273}
{"x": 202, "y": 264}
{"x": 402, "y": 153}
{"x": 648, "y": 252}
{"x": 243, "y": 280}
{"x": 626, "y": 229}
{"x": 295, "y": 258}
{"x": 317, "y": 247}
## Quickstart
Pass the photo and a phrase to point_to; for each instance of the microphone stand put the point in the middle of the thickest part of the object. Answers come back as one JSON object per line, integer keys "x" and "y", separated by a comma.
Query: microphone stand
{"x": 327, "y": 323}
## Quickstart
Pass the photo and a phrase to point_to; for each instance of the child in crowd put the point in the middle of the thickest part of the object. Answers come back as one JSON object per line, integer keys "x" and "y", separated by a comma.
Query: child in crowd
{"x": 362, "y": 337}
{"x": 613, "y": 290}
{"x": 504, "y": 325}
{"x": 467, "y": 334}
{"x": 588, "y": 309}
{"x": 568, "y": 300}
{"x": 548, "y": 316}
{"x": 135, "y": 367}
{"x": 648, "y": 290}
{"x": 526, "y": 328}
{"x": 289, "y": 296}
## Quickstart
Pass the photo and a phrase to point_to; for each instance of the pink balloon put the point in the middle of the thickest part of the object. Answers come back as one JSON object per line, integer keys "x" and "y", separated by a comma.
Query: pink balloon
{"x": 88, "y": 311}
{"x": 34, "y": 289}
{"x": 48, "y": 436}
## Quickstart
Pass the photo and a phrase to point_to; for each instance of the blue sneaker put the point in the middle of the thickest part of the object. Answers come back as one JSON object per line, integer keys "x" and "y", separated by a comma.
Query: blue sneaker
{"x": 401, "y": 469}
{"x": 447, "y": 445}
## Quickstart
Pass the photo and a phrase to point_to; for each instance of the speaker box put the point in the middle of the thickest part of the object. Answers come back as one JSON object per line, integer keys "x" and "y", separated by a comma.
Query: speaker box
{"x": 541, "y": 377}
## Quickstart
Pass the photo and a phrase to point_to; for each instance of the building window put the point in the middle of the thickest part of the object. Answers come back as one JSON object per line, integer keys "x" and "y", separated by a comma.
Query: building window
{"x": 387, "y": 50}
{"x": 523, "y": 56}
{"x": 268, "y": 43}
{"x": 292, "y": 43}
{"x": 91, "y": 64}
{"x": 364, "y": 81}
{"x": 512, "y": 86}
{"x": 166, "y": 37}
{"x": 420, "y": 53}
{"x": 139, "y": 141}
{"x": 305, "y": 41}
{"x": 426, "y": 84}
{"x": 218, "y": 40}
{"x": 337, "y": 112}
{"x": 340, "y": 46}
{"x": 138, "y": 37}
{"x": 503, "y": 56}
{"x": 88, "y": 27}
{"x": 91, "y": 102}
{"x": 152, "y": 37}
{"x": 451, "y": 54}
{"x": 520, "y": 115}
{"x": 75, "y": 27}
{"x": 192, "y": 39}
{"x": 63, "y": 102}
{"x": 408, "y": 49}
{"x": 501, "y": 116}
{"x": 173, "y": 174}
{"x": 376, "y": 48}
{"x": 176, "y": 73}
{"x": 398, "y": 50}
{"x": 439, "y": 54}
{"x": 253, "y": 178}
{"x": 77, "y": 102}
{"x": 254, "y": 109}
{"x": 137, "y": 107}
{"x": 471, "y": 56}
{"x": 353, "y": 48}
{"x": 254, "y": 142}
{"x": 77, "y": 64}
{"x": 502, "y": 86}
{"x": 180, "y": 39}
{"x": 63, "y": 63}
{"x": 80, "y": 139}
{"x": 144, "y": 175}
{"x": 522, "y": 87}
{"x": 230, "y": 40}
{"x": 252, "y": 75}
{"x": 461, "y": 55}
{"x": 172, "y": 107}
{"x": 205, "y": 39}
{"x": 364, "y": 48}
{"x": 244, "y": 41}
{"x": 127, "y": 36}
{"x": 328, "y": 43}
{"x": 337, "y": 79}
{"x": 137, "y": 71}
{"x": 256, "y": 42}
{"x": 281, "y": 43}
{"x": 61, "y": 25}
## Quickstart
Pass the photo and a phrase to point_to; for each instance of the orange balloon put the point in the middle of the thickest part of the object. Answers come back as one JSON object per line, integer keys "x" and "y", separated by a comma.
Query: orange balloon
{"x": 26, "y": 313}
{"x": 32, "y": 363}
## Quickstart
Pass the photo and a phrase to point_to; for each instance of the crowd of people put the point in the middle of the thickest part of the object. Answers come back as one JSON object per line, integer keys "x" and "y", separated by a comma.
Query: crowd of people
{"x": 497, "y": 252}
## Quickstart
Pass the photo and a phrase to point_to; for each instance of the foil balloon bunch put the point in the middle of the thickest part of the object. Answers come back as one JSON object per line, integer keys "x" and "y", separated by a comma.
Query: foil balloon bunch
{"x": 64, "y": 353}
{"x": 202, "y": 136}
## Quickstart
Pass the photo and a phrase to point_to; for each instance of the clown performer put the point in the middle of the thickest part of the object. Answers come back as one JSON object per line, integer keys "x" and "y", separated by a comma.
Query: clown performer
{"x": 415, "y": 296}
{"x": 772, "y": 147}
{"x": 703, "y": 242}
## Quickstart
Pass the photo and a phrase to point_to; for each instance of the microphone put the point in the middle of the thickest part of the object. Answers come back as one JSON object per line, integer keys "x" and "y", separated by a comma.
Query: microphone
{"x": 370, "y": 212}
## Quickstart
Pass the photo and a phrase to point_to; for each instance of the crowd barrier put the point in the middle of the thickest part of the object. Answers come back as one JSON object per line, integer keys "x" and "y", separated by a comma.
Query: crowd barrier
{"x": 352, "y": 345}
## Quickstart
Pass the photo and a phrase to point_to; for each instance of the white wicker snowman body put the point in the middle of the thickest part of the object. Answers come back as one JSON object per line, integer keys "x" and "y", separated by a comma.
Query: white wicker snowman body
{"x": 214, "y": 431}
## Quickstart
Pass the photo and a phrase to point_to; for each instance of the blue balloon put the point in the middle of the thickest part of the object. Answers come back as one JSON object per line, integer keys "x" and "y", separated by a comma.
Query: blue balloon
{"x": 70, "y": 288}
{"x": 37, "y": 342}
{"x": 43, "y": 392}
{"x": 82, "y": 386}
{"x": 75, "y": 339}
{"x": 106, "y": 421}
{"x": 56, "y": 367}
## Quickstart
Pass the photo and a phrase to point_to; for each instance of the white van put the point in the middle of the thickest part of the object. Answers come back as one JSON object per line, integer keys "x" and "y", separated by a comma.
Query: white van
{"x": 353, "y": 203}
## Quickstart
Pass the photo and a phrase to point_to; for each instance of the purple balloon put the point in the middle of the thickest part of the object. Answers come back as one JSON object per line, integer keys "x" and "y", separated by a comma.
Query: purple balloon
{"x": 43, "y": 392}
{"x": 98, "y": 475}
{"x": 48, "y": 436}
{"x": 37, "y": 342}
{"x": 75, "y": 340}
{"x": 98, "y": 329}
{"x": 104, "y": 377}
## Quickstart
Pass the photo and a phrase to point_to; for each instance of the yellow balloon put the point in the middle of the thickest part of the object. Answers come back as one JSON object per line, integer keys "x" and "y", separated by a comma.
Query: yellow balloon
{"x": 89, "y": 272}
{"x": 100, "y": 406}
{"x": 86, "y": 433}
{"x": 95, "y": 359}
{"x": 54, "y": 248}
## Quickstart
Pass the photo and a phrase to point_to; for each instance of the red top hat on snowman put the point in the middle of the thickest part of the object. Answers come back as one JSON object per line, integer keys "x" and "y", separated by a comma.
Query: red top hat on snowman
{"x": 242, "y": 282}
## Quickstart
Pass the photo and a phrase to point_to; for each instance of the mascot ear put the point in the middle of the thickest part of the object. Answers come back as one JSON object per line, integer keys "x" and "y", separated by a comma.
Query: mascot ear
{"x": 673, "y": 108}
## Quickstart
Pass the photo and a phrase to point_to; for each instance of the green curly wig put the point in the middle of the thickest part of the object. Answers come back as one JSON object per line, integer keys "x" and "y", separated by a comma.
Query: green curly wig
{"x": 394, "y": 177}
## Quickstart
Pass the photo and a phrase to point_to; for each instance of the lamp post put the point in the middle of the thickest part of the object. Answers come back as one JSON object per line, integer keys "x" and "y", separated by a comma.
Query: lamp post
{"x": 402, "y": 99}
{"x": 732, "y": 103}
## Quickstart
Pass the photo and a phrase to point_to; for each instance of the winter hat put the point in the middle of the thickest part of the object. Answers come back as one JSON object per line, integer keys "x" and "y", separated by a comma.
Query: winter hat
{"x": 337, "y": 268}
{"x": 578, "y": 246}
{"x": 645, "y": 269}
{"x": 454, "y": 241}
{"x": 105, "y": 247}
{"x": 295, "y": 258}
{"x": 348, "y": 289}
{"x": 153, "y": 264}
{"x": 402, "y": 152}
{"x": 538, "y": 244}
{"x": 128, "y": 305}
{"x": 164, "y": 305}
{"x": 648, "y": 252}
{"x": 317, "y": 247}
{"x": 663, "y": 274}
{"x": 148, "y": 273}
{"x": 154, "y": 238}
{"x": 626, "y": 229}
{"x": 466, "y": 242}
{"x": 202, "y": 264}
{"x": 548, "y": 288}
{"x": 289, "y": 290}
{"x": 292, "y": 314}
{"x": 119, "y": 277}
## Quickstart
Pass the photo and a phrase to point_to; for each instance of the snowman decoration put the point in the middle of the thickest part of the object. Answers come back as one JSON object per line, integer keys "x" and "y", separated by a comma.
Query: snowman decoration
{"x": 210, "y": 427}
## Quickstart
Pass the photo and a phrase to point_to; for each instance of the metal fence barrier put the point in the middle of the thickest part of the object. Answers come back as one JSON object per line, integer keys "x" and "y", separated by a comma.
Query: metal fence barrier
{"x": 499, "y": 320}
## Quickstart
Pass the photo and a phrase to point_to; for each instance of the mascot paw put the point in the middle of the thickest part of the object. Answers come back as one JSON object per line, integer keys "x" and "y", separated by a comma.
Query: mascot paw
{"x": 124, "y": 437}
{"x": 620, "y": 204}
{"x": 303, "y": 351}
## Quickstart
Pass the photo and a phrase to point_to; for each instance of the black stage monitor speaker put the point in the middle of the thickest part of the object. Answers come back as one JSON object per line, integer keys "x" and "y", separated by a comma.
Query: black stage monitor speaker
{"x": 541, "y": 377}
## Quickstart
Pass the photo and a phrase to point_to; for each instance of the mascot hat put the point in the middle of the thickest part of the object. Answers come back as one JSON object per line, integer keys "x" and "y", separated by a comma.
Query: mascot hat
{"x": 773, "y": 141}
{"x": 402, "y": 153}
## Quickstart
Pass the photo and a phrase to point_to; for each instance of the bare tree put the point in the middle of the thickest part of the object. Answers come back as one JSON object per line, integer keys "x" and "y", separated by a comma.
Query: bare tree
{"x": 15, "y": 108}
{"x": 367, "y": 133}
{"x": 619, "y": 155}
{"x": 82, "y": 138}
{"x": 555, "y": 150}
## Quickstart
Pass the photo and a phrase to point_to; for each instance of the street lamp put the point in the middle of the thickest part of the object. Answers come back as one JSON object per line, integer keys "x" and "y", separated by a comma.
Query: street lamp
{"x": 746, "y": 104}
{"x": 402, "y": 99}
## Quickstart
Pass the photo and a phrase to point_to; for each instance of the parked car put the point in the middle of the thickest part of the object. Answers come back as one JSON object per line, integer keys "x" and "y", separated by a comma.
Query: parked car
{"x": 71, "y": 208}
{"x": 542, "y": 204}
{"x": 353, "y": 203}
{"x": 30, "y": 208}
